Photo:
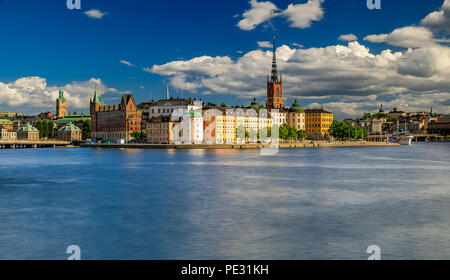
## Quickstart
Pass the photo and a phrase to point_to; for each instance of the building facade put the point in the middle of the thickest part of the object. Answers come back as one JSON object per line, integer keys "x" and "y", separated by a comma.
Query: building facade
{"x": 70, "y": 132}
{"x": 318, "y": 123}
{"x": 6, "y": 124}
{"x": 160, "y": 130}
{"x": 115, "y": 122}
{"x": 296, "y": 116}
{"x": 61, "y": 105}
{"x": 8, "y": 135}
{"x": 28, "y": 132}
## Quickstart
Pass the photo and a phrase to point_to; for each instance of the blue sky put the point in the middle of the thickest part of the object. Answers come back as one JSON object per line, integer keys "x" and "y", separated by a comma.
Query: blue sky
{"x": 51, "y": 46}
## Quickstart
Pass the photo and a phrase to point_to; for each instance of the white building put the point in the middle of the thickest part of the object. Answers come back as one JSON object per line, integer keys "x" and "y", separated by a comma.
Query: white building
{"x": 169, "y": 106}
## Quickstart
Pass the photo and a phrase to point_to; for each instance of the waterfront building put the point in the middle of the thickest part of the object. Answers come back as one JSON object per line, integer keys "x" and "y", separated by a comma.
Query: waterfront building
{"x": 274, "y": 85}
{"x": 160, "y": 130}
{"x": 229, "y": 125}
{"x": 194, "y": 121}
{"x": 169, "y": 106}
{"x": 61, "y": 105}
{"x": 187, "y": 129}
{"x": 396, "y": 114}
{"x": 318, "y": 123}
{"x": 6, "y": 124}
{"x": 28, "y": 132}
{"x": 115, "y": 122}
{"x": 296, "y": 116}
{"x": 8, "y": 135}
{"x": 70, "y": 132}
{"x": 441, "y": 126}
{"x": 279, "y": 118}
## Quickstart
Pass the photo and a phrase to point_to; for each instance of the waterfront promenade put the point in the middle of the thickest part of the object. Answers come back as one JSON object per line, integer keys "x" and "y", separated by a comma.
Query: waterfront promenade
{"x": 13, "y": 144}
{"x": 305, "y": 144}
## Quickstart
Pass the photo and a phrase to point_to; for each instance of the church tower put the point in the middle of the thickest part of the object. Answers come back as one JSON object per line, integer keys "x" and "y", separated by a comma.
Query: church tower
{"x": 274, "y": 85}
{"x": 61, "y": 105}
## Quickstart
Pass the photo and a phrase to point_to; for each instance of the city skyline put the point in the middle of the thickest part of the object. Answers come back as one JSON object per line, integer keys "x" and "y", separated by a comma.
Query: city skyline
{"x": 133, "y": 47}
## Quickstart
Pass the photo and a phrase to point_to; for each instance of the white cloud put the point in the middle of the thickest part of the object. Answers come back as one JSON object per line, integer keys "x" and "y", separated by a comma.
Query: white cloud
{"x": 302, "y": 15}
{"x": 348, "y": 37}
{"x": 258, "y": 13}
{"x": 346, "y": 73}
{"x": 94, "y": 13}
{"x": 408, "y": 37}
{"x": 33, "y": 93}
{"x": 439, "y": 20}
{"x": 127, "y": 63}
{"x": 265, "y": 44}
{"x": 299, "y": 15}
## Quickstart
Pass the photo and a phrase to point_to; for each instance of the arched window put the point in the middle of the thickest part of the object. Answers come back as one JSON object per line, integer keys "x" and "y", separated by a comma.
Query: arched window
{"x": 278, "y": 91}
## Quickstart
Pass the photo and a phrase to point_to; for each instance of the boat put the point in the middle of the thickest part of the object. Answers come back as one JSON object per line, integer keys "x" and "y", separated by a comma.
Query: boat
{"x": 402, "y": 138}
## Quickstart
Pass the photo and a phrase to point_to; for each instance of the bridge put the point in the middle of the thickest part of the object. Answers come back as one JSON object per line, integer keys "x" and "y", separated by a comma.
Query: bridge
{"x": 22, "y": 144}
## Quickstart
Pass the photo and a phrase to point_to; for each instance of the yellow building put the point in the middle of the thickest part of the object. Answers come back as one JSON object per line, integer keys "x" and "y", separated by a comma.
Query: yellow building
{"x": 229, "y": 122}
{"x": 318, "y": 123}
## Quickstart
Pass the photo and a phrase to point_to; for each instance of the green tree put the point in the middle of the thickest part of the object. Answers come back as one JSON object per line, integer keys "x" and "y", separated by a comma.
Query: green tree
{"x": 50, "y": 130}
{"x": 87, "y": 128}
{"x": 223, "y": 104}
{"x": 367, "y": 116}
{"x": 302, "y": 135}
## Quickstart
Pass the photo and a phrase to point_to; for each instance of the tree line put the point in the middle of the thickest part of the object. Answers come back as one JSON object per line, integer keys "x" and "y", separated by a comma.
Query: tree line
{"x": 342, "y": 131}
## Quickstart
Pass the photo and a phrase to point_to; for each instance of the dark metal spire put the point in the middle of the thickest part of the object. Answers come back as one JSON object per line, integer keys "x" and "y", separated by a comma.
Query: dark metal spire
{"x": 274, "y": 77}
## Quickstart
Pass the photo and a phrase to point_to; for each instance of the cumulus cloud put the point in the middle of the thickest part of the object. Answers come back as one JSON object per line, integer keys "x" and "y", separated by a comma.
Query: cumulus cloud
{"x": 258, "y": 13}
{"x": 96, "y": 14}
{"x": 302, "y": 15}
{"x": 439, "y": 20}
{"x": 127, "y": 63}
{"x": 348, "y": 73}
{"x": 408, "y": 37}
{"x": 33, "y": 92}
{"x": 348, "y": 37}
{"x": 299, "y": 15}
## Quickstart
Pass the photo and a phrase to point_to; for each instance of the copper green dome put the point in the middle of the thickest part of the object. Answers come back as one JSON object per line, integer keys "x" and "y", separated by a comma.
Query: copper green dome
{"x": 255, "y": 104}
{"x": 7, "y": 122}
{"x": 296, "y": 108}
{"x": 27, "y": 128}
{"x": 70, "y": 127}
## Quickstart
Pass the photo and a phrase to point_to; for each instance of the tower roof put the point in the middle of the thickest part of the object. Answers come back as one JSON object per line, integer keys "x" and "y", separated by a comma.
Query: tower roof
{"x": 61, "y": 95}
{"x": 96, "y": 99}
{"x": 274, "y": 75}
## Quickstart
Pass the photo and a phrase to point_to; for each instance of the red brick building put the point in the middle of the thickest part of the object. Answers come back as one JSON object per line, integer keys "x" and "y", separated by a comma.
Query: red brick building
{"x": 115, "y": 122}
{"x": 274, "y": 86}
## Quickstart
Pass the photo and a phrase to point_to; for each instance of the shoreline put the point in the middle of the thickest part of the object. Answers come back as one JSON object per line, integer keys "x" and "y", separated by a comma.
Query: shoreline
{"x": 308, "y": 144}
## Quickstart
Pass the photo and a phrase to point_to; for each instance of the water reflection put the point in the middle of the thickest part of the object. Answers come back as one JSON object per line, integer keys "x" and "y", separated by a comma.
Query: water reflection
{"x": 233, "y": 204}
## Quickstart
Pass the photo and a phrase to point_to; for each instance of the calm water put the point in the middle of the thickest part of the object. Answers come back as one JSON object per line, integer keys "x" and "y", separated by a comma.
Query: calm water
{"x": 299, "y": 204}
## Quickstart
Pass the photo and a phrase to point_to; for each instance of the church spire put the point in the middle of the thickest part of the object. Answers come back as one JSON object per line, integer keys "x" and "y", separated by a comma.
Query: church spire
{"x": 274, "y": 77}
{"x": 167, "y": 92}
